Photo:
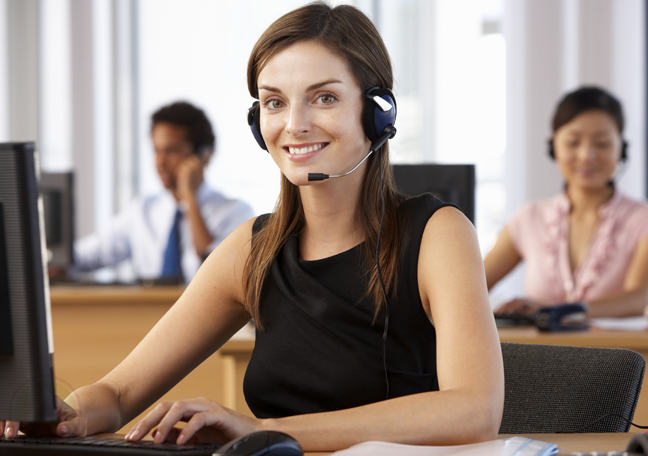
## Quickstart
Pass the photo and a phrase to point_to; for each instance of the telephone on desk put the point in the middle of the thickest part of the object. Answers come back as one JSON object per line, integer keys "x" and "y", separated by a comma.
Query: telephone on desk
{"x": 562, "y": 317}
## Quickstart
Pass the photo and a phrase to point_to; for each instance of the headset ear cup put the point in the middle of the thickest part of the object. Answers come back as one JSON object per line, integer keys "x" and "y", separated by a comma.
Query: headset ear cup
{"x": 254, "y": 121}
{"x": 374, "y": 119}
{"x": 624, "y": 151}
{"x": 550, "y": 149}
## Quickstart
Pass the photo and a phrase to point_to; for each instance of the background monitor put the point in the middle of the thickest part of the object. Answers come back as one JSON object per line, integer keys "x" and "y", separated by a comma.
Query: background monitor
{"x": 26, "y": 346}
{"x": 57, "y": 190}
{"x": 450, "y": 183}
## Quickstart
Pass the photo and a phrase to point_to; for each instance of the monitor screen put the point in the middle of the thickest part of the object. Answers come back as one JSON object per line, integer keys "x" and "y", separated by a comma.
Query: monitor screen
{"x": 57, "y": 190}
{"x": 26, "y": 365}
{"x": 450, "y": 183}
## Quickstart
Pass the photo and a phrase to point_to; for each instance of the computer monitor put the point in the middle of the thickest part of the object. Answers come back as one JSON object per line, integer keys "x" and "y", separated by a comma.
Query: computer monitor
{"x": 26, "y": 345}
{"x": 58, "y": 202}
{"x": 450, "y": 183}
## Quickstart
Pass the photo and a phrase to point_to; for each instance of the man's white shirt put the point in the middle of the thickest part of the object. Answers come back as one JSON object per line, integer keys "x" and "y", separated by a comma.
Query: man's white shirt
{"x": 141, "y": 232}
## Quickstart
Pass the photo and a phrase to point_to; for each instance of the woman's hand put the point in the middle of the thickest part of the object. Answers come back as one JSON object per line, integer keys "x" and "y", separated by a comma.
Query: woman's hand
{"x": 70, "y": 424}
{"x": 207, "y": 422}
{"x": 519, "y": 306}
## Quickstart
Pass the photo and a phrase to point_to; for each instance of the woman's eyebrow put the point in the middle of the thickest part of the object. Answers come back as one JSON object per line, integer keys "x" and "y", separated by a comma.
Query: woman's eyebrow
{"x": 322, "y": 84}
{"x": 270, "y": 89}
{"x": 309, "y": 89}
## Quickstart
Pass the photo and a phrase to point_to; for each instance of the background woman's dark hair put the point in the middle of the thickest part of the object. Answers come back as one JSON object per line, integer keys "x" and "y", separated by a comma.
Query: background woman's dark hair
{"x": 348, "y": 33}
{"x": 587, "y": 99}
{"x": 184, "y": 114}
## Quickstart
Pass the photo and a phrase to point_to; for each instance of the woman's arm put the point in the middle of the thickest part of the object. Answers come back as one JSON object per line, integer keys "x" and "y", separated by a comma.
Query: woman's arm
{"x": 207, "y": 314}
{"x": 634, "y": 298}
{"x": 501, "y": 259}
{"x": 468, "y": 407}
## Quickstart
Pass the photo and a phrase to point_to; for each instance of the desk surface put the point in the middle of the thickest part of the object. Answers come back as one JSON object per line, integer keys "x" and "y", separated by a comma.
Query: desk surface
{"x": 568, "y": 442}
{"x": 106, "y": 294}
{"x": 594, "y": 337}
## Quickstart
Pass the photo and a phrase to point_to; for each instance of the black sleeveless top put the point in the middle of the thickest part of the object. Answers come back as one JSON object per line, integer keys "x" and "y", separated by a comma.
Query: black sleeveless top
{"x": 319, "y": 350}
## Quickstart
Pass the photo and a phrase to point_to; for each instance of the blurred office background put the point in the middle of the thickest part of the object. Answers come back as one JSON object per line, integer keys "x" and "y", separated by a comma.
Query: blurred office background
{"x": 476, "y": 80}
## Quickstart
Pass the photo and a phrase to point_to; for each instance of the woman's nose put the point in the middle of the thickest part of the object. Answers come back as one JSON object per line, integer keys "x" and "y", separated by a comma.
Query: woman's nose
{"x": 299, "y": 121}
{"x": 587, "y": 151}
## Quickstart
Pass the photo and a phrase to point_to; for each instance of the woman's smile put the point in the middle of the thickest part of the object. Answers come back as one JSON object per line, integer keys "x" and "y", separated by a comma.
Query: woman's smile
{"x": 304, "y": 149}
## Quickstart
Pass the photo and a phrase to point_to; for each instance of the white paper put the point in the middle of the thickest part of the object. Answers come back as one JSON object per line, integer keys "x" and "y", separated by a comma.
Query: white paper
{"x": 620, "y": 324}
{"x": 513, "y": 446}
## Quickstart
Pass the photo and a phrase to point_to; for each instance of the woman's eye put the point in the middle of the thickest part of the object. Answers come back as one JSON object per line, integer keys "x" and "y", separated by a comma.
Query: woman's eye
{"x": 603, "y": 145}
{"x": 327, "y": 99}
{"x": 274, "y": 104}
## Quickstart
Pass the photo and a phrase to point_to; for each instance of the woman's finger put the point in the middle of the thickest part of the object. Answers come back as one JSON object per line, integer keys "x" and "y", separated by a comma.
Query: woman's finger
{"x": 197, "y": 422}
{"x": 71, "y": 424}
{"x": 180, "y": 411}
{"x": 149, "y": 421}
{"x": 11, "y": 429}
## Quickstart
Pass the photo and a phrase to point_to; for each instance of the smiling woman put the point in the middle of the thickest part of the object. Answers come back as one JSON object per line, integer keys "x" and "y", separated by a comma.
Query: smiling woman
{"x": 590, "y": 243}
{"x": 359, "y": 294}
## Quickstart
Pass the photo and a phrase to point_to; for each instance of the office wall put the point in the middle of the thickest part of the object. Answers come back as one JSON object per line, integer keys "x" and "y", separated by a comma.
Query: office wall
{"x": 4, "y": 84}
{"x": 22, "y": 69}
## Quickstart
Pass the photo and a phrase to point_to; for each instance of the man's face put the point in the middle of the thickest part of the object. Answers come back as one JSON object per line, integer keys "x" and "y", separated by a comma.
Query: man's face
{"x": 171, "y": 148}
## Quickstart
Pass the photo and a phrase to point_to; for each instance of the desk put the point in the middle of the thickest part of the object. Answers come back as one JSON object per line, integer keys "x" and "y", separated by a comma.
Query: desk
{"x": 568, "y": 442}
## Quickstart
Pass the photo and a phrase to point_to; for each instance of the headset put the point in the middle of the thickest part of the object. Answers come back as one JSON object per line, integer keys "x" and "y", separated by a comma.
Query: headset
{"x": 378, "y": 118}
{"x": 552, "y": 153}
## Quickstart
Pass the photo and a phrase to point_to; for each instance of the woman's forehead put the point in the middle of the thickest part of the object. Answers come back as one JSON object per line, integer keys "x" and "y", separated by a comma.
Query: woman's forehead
{"x": 304, "y": 63}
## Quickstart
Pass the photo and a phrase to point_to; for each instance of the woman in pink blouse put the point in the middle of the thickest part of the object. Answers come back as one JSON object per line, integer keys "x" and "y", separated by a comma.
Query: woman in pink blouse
{"x": 590, "y": 243}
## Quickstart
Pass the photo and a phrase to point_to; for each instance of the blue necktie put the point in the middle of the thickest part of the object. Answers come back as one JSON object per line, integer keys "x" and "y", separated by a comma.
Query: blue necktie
{"x": 171, "y": 264}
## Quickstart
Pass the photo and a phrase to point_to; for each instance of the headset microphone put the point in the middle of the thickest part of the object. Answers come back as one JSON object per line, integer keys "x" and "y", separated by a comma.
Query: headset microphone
{"x": 389, "y": 133}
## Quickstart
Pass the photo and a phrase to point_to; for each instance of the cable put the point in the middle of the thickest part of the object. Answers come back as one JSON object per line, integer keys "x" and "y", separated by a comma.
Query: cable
{"x": 382, "y": 287}
{"x": 599, "y": 419}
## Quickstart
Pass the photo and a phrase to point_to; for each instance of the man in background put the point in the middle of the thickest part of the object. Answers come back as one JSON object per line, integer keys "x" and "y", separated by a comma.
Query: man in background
{"x": 167, "y": 235}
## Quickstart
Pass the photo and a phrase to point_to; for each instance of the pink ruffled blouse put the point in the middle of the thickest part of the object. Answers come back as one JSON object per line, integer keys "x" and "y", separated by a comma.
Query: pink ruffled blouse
{"x": 540, "y": 232}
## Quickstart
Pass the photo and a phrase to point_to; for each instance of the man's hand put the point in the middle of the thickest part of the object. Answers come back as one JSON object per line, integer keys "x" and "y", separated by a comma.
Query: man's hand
{"x": 190, "y": 177}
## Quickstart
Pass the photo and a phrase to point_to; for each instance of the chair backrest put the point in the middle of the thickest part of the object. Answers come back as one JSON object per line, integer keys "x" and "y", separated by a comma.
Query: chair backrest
{"x": 550, "y": 388}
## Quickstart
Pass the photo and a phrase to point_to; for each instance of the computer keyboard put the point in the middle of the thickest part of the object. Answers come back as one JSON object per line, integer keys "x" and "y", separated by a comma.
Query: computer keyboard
{"x": 95, "y": 446}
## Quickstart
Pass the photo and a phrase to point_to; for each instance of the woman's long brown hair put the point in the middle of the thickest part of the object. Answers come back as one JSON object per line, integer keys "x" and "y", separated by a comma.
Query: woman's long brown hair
{"x": 347, "y": 32}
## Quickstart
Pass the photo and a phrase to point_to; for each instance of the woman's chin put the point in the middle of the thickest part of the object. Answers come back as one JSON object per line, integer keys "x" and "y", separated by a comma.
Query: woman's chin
{"x": 299, "y": 178}
{"x": 592, "y": 184}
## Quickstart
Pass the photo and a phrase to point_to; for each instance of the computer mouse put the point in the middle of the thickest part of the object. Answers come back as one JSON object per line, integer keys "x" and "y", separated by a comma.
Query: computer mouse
{"x": 638, "y": 444}
{"x": 262, "y": 443}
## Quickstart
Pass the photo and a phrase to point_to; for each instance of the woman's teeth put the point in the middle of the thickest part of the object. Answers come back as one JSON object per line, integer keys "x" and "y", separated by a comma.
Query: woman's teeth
{"x": 304, "y": 150}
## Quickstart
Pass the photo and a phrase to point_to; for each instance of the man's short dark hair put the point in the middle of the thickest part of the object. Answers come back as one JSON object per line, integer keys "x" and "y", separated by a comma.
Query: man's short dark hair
{"x": 183, "y": 114}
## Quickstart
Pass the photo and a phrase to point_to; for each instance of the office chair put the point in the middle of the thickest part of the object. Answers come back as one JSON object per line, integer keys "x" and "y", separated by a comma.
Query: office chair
{"x": 551, "y": 389}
